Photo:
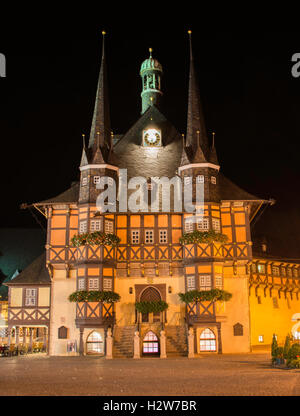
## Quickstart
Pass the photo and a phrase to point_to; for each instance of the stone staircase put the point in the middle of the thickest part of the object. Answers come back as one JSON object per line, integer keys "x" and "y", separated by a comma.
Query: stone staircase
{"x": 176, "y": 338}
{"x": 123, "y": 341}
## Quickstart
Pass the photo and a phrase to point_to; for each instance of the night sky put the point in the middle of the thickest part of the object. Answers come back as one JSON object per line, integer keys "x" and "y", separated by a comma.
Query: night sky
{"x": 249, "y": 96}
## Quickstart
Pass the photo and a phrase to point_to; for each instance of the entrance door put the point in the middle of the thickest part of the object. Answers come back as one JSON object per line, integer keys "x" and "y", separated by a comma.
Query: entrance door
{"x": 150, "y": 294}
{"x": 151, "y": 344}
{"x": 94, "y": 343}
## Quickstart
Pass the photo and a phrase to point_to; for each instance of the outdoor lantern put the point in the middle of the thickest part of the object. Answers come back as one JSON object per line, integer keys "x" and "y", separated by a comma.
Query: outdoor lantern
{"x": 130, "y": 290}
{"x": 169, "y": 289}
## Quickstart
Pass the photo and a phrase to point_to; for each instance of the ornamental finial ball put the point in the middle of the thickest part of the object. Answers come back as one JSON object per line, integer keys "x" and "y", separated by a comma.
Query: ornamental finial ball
{"x": 189, "y": 32}
{"x": 103, "y": 32}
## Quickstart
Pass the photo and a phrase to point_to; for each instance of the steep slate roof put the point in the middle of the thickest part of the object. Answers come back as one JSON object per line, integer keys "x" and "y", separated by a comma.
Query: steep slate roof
{"x": 36, "y": 273}
{"x": 69, "y": 196}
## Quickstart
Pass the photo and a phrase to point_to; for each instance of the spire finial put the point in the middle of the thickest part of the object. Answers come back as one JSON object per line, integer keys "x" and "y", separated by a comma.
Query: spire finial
{"x": 103, "y": 33}
{"x": 150, "y": 50}
{"x": 98, "y": 138}
{"x": 198, "y": 138}
{"x": 83, "y": 140}
{"x": 213, "y": 139}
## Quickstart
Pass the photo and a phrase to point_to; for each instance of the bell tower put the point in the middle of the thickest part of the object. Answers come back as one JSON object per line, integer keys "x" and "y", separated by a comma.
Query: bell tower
{"x": 151, "y": 74}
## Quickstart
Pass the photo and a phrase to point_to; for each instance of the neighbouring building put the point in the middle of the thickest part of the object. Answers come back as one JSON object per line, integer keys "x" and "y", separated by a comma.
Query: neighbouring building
{"x": 150, "y": 263}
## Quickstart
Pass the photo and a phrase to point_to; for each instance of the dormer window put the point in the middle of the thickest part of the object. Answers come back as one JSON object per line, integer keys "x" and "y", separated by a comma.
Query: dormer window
{"x": 200, "y": 179}
{"x": 84, "y": 181}
{"x": 96, "y": 180}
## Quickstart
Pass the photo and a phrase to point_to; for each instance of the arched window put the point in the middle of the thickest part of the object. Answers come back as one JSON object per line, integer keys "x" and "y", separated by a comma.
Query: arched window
{"x": 208, "y": 341}
{"x": 94, "y": 343}
{"x": 151, "y": 344}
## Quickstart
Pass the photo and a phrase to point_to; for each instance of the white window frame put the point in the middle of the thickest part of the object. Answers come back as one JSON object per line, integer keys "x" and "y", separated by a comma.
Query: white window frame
{"x": 96, "y": 180}
{"x": 84, "y": 181}
{"x": 149, "y": 236}
{"x": 135, "y": 236}
{"x": 260, "y": 338}
{"x": 188, "y": 226}
{"x": 205, "y": 282}
{"x": 213, "y": 180}
{"x": 275, "y": 270}
{"x": 81, "y": 284}
{"x": 108, "y": 227}
{"x": 96, "y": 225}
{"x": 203, "y": 224}
{"x": 219, "y": 282}
{"x": 82, "y": 227}
{"x": 216, "y": 224}
{"x": 30, "y": 297}
{"x": 190, "y": 283}
{"x": 110, "y": 181}
{"x": 163, "y": 236}
{"x": 187, "y": 180}
{"x": 261, "y": 268}
{"x": 107, "y": 284}
{"x": 93, "y": 283}
{"x": 200, "y": 179}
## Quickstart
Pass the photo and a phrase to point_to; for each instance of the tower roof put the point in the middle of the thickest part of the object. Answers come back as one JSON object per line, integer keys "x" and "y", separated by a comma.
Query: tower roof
{"x": 195, "y": 119}
{"x": 150, "y": 63}
{"x": 101, "y": 118}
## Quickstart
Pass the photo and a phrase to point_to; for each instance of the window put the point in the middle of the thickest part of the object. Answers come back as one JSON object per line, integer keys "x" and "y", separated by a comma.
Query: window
{"x": 187, "y": 180}
{"x": 289, "y": 272}
{"x": 82, "y": 227}
{"x": 109, "y": 227}
{"x": 94, "y": 343}
{"x": 216, "y": 225}
{"x": 95, "y": 225}
{"x": 96, "y": 180}
{"x": 253, "y": 267}
{"x": 93, "y": 284}
{"x": 275, "y": 303}
{"x": 151, "y": 344}
{"x": 163, "y": 236}
{"x": 30, "y": 297}
{"x": 84, "y": 181}
{"x": 135, "y": 236}
{"x": 110, "y": 181}
{"x": 205, "y": 282}
{"x": 107, "y": 284}
{"x": 188, "y": 226}
{"x": 275, "y": 270}
{"x": 191, "y": 283}
{"x": 260, "y": 338}
{"x": 219, "y": 282}
{"x": 238, "y": 330}
{"x": 81, "y": 284}
{"x": 295, "y": 272}
{"x": 208, "y": 341}
{"x": 261, "y": 268}
{"x": 149, "y": 236}
{"x": 202, "y": 224}
{"x": 200, "y": 179}
{"x": 283, "y": 271}
{"x": 213, "y": 180}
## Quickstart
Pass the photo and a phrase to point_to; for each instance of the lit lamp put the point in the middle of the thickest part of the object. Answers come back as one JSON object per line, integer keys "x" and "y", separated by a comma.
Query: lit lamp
{"x": 169, "y": 289}
{"x": 130, "y": 290}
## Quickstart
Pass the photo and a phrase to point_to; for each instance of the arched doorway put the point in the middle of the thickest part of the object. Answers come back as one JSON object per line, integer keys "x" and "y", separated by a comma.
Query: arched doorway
{"x": 94, "y": 343}
{"x": 150, "y": 294}
{"x": 208, "y": 341}
{"x": 150, "y": 344}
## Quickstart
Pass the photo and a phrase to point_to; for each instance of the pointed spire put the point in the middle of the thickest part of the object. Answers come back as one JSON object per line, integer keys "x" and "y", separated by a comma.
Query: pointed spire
{"x": 184, "y": 157}
{"x": 84, "y": 159}
{"x": 101, "y": 117}
{"x": 97, "y": 154}
{"x": 195, "y": 119}
{"x": 213, "y": 158}
{"x": 198, "y": 156}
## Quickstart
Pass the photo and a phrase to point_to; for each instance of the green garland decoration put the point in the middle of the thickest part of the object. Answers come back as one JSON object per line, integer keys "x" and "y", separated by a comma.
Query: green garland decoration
{"x": 94, "y": 296}
{"x": 212, "y": 295}
{"x": 151, "y": 306}
{"x": 206, "y": 237}
{"x": 96, "y": 238}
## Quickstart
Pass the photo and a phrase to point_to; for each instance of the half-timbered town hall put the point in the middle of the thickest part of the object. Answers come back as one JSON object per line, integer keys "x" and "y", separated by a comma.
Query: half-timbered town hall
{"x": 152, "y": 282}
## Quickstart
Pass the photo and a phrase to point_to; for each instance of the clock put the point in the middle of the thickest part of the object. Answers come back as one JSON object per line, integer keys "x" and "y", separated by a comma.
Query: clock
{"x": 152, "y": 138}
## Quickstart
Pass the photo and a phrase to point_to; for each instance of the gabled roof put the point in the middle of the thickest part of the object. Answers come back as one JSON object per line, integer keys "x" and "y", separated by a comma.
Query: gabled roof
{"x": 69, "y": 196}
{"x": 36, "y": 273}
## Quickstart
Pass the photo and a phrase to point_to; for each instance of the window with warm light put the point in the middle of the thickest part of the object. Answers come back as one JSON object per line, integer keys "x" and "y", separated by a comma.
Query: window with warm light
{"x": 191, "y": 283}
{"x": 30, "y": 297}
{"x": 205, "y": 282}
{"x": 149, "y": 236}
{"x": 163, "y": 236}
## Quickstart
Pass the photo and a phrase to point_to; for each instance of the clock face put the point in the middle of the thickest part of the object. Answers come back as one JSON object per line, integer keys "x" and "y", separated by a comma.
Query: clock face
{"x": 152, "y": 137}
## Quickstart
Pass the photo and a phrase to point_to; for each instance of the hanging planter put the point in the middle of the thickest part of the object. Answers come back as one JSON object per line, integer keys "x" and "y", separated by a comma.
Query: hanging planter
{"x": 205, "y": 237}
{"x": 151, "y": 306}
{"x": 96, "y": 238}
{"x": 94, "y": 296}
{"x": 212, "y": 295}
